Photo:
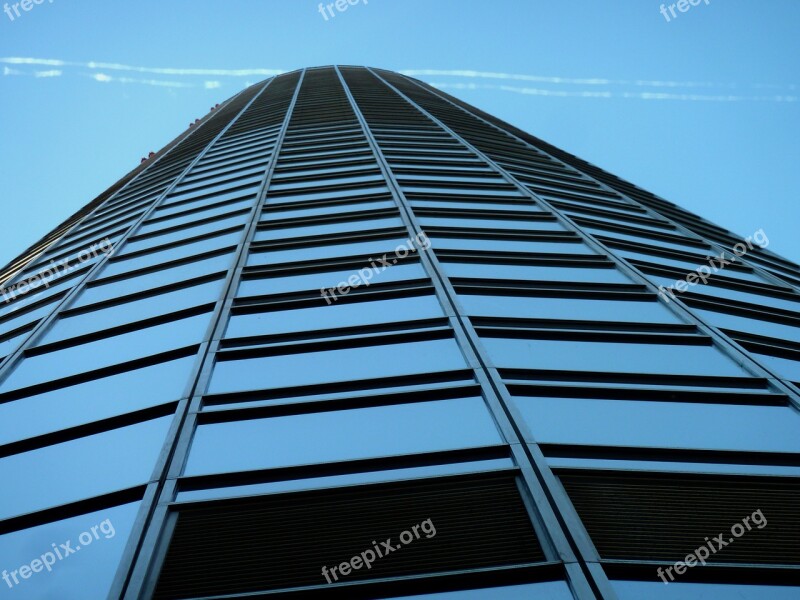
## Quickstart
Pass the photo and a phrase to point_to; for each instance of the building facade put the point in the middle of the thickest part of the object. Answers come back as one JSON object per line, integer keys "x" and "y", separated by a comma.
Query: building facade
{"x": 349, "y": 337}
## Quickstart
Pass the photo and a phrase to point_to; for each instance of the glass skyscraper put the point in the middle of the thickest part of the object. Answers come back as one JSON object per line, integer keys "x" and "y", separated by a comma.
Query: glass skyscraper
{"x": 349, "y": 337}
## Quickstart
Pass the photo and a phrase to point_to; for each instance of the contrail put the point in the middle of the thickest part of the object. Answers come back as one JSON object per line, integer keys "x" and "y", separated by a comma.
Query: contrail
{"x": 16, "y": 60}
{"x": 607, "y": 94}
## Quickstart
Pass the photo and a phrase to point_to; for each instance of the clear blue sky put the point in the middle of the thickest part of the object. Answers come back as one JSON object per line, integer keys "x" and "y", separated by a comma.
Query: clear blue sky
{"x": 702, "y": 110}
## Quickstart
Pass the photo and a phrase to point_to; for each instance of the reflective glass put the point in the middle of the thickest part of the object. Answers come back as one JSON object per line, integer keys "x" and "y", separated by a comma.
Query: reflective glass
{"x": 636, "y": 590}
{"x": 612, "y": 357}
{"x": 374, "y": 247}
{"x": 312, "y": 483}
{"x": 149, "y": 281}
{"x": 335, "y": 209}
{"x": 786, "y": 368}
{"x": 533, "y": 273}
{"x": 567, "y": 308}
{"x": 661, "y": 424}
{"x": 94, "y": 400}
{"x": 107, "y": 352}
{"x": 176, "y": 253}
{"x": 550, "y": 590}
{"x": 754, "y": 326}
{"x": 496, "y": 245}
{"x": 184, "y": 234}
{"x": 325, "y": 280}
{"x": 85, "y": 574}
{"x": 82, "y": 468}
{"x": 491, "y": 223}
{"x": 342, "y": 435}
{"x": 130, "y": 312}
{"x": 742, "y": 296}
{"x": 328, "y": 366}
{"x": 328, "y": 228}
{"x": 352, "y": 314}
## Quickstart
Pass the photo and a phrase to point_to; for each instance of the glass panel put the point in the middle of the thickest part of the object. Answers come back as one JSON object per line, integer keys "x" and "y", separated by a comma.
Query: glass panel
{"x": 352, "y": 314}
{"x": 275, "y": 215}
{"x": 742, "y": 296}
{"x": 550, "y": 590}
{"x": 295, "y": 485}
{"x": 526, "y": 205}
{"x": 392, "y": 360}
{"x": 83, "y": 468}
{"x": 94, "y": 400}
{"x": 118, "y": 289}
{"x": 612, "y": 357}
{"x": 325, "y": 280}
{"x": 197, "y": 215}
{"x": 107, "y": 352}
{"x": 26, "y": 317}
{"x": 372, "y": 247}
{"x": 689, "y": 265}
{"x": 662, "y": 424}
{"x": 789, "y": 369}
{"x": 179, "y": 252}
{"x": 328, "y": 228}
{"x": 754, "y": 326}
{"x": 9, "y": 345}
{"x": 495, "y": 245}
{"x": 342, "y": 435}
{"x": 568, "y": 308}
{"x": 641, "y": 239}
{"x": 636, "y": 590}
{"x": 184, "y": 234}
{"x": 85, "y": 574}
{"x": 330, "y": 195}
{"x": 491, "y": 223}
{"x": 534, "y": 273}
{"x": 131, "y": 312}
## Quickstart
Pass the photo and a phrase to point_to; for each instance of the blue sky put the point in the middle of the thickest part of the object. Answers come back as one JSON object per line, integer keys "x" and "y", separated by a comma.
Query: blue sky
{"x": 703, "y": 110}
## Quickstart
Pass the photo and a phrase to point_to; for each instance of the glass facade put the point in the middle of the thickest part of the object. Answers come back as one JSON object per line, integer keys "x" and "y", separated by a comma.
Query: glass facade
{"x": 346, "y": 308}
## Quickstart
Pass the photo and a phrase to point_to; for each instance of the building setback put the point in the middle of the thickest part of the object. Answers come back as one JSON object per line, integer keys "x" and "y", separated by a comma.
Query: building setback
{"x": 350, "y": 337}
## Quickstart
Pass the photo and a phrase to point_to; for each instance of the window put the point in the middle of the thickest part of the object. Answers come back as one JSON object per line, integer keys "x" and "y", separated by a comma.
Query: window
{"x": 328, "y": 366}
{"x": 612, "y": 357}
{"x": 82, "y": 468}
{"x": 342, "y": 435}
{"x": 335, "y": 316}
{"x": 86, "y": 574}
{"x": 107, "y": 352}
{"x": 94, "y": 400}
{"x": 661, "y": 424}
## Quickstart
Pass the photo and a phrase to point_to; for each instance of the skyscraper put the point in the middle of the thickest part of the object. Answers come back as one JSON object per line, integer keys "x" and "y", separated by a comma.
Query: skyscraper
{"x": 349, "y": 337}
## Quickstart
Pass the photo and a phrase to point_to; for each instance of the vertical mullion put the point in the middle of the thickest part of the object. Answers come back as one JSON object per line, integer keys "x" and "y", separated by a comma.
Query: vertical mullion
{"x": 555, "y": 541}
{"x": 143, "y": 576}
{"x": 722, "y": 342}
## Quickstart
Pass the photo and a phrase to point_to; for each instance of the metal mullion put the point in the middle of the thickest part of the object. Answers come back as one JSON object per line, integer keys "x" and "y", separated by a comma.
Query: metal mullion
{"x": 541, "y": 472}
{"x": 141, "y": 578}
{"x": 725, "y": 344}
{"x": 545, "y": 519}
{"x": 96, "y": 268}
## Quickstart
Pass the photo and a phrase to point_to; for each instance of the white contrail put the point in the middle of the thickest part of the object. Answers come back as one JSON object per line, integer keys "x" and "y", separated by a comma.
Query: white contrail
{"x": 51, "y": 73}
{"x": 636, "y": 95}
{"x": 17, "y": 60}
{"x": 103, "y": 78}
{"x": 558, "y": 80}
